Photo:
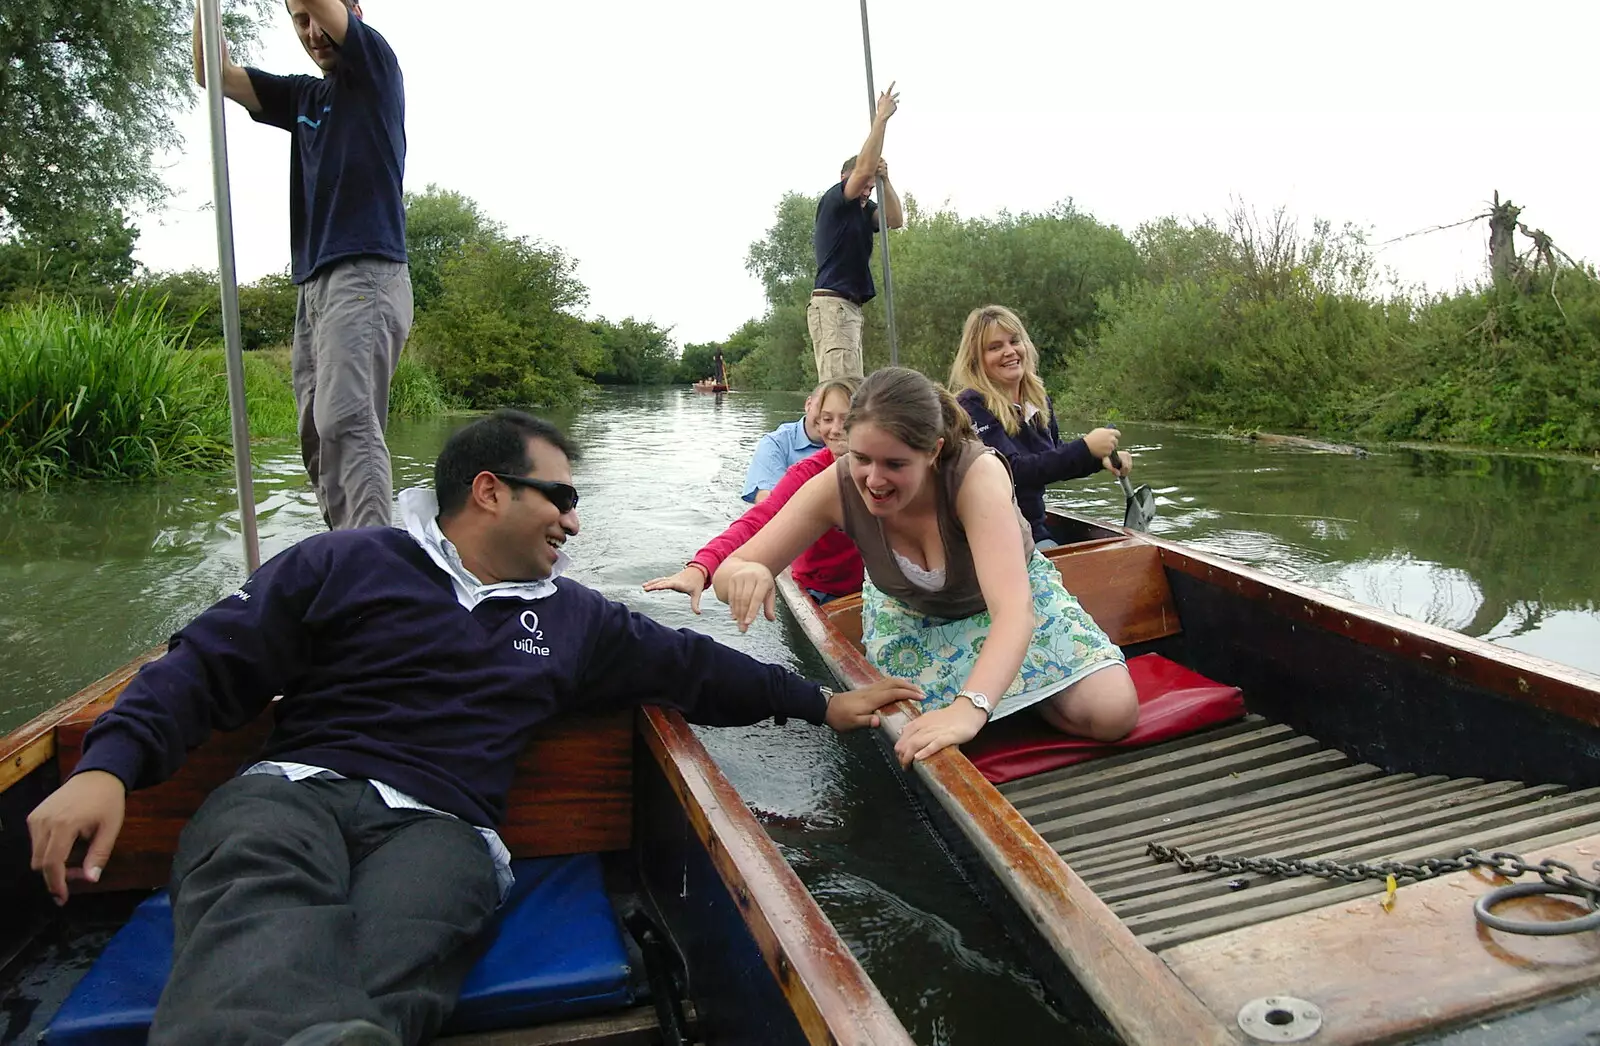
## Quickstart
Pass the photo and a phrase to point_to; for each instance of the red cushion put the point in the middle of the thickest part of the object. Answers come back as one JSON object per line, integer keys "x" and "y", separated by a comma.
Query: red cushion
{"x": 1173, "y": 701}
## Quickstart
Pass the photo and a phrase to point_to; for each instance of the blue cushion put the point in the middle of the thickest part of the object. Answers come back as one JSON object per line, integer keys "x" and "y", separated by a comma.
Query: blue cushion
{"x": 557, "y": 953}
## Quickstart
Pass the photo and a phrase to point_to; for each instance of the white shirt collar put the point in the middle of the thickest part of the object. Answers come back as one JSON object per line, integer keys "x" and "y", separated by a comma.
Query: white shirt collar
{"x": 1027, "y": 410}
{"x": 419, "y": 510}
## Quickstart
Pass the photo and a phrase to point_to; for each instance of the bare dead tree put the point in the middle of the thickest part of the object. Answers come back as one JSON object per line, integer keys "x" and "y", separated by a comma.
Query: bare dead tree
{"x": 1503, "y": 264}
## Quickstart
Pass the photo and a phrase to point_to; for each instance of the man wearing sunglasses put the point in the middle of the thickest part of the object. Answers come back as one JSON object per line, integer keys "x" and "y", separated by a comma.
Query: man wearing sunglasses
{"x": 331, "y": 893}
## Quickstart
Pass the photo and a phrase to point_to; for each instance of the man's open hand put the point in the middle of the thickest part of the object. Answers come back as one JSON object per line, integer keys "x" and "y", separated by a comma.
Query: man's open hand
{"x": 89, "y": 806}
{"x": 852, "y": 709}
{"x": 888, "y": 102}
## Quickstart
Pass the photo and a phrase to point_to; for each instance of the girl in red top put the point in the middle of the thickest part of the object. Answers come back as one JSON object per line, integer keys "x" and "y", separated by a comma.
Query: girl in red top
{"x": 831, "y": 567}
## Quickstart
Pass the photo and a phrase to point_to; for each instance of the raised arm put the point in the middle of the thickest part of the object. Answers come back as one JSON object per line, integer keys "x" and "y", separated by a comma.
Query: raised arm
{"x": 697, "y": 573}
{"x": 891, "y": 200}
{"x": 745, "y": 581}
{"x": 872, "y": 149}
{"x": 235, "y": 81}
{"x": 988, "y": 514}
{"x": 330, "y": 17}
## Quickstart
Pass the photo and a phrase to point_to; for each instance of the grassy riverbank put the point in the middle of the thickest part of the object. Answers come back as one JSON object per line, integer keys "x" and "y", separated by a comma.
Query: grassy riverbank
{"x": 86, "y": 394}
{"x": 103, "y": 396}
{"x": 414, "y": 392}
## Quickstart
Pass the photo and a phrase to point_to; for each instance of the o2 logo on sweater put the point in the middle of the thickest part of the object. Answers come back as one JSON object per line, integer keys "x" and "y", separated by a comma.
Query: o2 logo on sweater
{"x": 530, "y": 621}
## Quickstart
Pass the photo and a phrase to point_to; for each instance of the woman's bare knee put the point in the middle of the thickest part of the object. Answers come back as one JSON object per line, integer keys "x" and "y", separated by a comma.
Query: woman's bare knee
{"x": 1103, "y": 707}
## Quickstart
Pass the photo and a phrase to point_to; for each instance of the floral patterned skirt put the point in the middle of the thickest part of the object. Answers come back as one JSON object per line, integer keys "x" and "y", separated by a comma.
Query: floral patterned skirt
{"x": 938, "y": 655}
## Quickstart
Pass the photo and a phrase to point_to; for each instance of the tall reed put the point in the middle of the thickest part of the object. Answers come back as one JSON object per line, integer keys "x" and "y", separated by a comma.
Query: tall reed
{"x": 86, "y": 394}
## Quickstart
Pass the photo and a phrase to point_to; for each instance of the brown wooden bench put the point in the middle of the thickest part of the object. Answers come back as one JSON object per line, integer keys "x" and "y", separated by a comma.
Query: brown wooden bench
{"x": 573, "y": 791}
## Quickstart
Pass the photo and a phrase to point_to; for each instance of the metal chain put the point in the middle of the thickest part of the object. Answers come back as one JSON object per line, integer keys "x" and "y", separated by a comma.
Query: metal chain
{"x": 1554, "y": 873}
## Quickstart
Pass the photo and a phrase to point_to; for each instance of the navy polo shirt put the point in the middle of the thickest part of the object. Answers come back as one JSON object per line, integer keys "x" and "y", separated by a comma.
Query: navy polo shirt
{"x": 349, "y": 153}
{"x": 843, "y": 242}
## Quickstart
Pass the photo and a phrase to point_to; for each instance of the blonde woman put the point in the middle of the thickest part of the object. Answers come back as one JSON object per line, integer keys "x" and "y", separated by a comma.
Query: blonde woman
{"x": 957, "y": 601}
{"x": 996, "y": 380}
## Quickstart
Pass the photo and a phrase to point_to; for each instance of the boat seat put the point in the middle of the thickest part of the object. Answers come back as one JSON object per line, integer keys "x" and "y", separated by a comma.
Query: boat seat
{"x": 1173, "y": 701}
{"x": 557, "y": 953}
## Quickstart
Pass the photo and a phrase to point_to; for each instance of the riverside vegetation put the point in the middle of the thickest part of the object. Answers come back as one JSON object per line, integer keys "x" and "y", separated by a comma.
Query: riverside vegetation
{"x": 1245, "y": 323}
{"x": 1242, "y": 323}
{"x": 109, "y": 373}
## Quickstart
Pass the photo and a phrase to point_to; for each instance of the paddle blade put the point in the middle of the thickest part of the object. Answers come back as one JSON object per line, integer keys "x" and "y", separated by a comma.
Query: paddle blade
{"x": 1141, "y": 508}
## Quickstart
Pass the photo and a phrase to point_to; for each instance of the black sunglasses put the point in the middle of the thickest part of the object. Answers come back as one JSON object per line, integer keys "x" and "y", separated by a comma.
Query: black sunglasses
{"x": 564, "y": 496}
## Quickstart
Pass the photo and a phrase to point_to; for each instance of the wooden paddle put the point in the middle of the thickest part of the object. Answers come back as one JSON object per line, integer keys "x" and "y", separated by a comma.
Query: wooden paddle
{"x": 1141, "y": 506}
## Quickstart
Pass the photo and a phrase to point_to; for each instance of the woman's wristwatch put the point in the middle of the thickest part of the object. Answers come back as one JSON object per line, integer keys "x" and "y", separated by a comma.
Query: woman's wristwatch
{"x": 980, "y": 702}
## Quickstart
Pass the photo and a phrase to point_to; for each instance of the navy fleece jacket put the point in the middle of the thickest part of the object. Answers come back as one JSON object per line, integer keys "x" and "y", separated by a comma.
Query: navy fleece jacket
{"x": 386, "y": 676}
{"x": 1037, "y": 456}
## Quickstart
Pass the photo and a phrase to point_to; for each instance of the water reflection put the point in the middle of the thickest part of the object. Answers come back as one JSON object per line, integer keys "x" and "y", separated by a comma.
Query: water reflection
{"x": 1497, "y": 547}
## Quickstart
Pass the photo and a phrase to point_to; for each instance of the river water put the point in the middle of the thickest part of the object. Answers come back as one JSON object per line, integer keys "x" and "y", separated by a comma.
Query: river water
{"x": 1499, "y": 547}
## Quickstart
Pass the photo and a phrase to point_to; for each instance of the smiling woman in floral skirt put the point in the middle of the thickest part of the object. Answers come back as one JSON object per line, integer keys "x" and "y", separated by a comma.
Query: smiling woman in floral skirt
{"x": 957, "y": 599}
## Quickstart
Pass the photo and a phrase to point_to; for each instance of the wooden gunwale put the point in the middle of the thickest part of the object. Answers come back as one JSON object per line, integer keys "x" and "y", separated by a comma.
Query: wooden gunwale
{"x": 33, "y": 744}
{"x": 1517, "y": 676}
{"x": 833, "y": 999}
{"x": 1142, "y": 999}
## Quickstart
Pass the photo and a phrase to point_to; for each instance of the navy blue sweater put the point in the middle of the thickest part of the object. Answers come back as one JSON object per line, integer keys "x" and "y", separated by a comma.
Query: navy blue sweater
{"x": 385, "y": 676}
{"x": 1038, "y": 457}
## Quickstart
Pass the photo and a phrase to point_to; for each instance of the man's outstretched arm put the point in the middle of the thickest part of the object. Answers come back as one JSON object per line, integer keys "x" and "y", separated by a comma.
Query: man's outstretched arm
{"x": 872, "y": 149}
{"x": 891, "y": 199}
{"x": 235, "y": 81}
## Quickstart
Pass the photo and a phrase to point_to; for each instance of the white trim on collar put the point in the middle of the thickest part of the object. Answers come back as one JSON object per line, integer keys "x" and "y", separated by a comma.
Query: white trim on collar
{"x": 419, "y": 510}
{"x": 1028, "y": 411}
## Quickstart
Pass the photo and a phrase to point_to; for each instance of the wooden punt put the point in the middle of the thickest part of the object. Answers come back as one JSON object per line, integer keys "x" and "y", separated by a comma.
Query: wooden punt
{"x": 1368, "y": 736}
{"x": 728, "y": 945}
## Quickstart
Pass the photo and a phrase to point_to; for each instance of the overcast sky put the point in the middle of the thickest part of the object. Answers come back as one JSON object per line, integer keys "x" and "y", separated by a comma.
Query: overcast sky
{"x": 651, "y": 141}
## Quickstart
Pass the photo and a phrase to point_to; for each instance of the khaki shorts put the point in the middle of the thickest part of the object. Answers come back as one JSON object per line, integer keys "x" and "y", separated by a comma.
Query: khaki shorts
{"x": 835, "y": 325}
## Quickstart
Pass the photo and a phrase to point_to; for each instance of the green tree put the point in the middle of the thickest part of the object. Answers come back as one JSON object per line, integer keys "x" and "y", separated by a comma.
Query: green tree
{"x": 440, "y": 224}
{"x": 784, "y": 259}
{"x": 87, "y": 91}
{"x": 76, "y": 255}
{"x": 266, "y": 311}
{"x": 192, "y": 298}
{"x": 502, "y": 329}
{"x": 1050, "y": 267}
{"x": 192, "y": 301}
{"x": 699, "y": 361}
{"x": 633, "y": 352}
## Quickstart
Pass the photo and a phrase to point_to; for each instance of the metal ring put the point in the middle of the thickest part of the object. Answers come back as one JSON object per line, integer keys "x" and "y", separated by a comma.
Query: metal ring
{"x": 1534, "y": 929}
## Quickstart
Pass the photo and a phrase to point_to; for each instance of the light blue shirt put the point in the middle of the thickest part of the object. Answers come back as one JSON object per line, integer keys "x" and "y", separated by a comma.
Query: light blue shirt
{"x": 779, "y": 449}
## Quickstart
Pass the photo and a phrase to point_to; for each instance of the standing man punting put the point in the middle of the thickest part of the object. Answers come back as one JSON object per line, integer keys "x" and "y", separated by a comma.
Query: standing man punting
{"x": 347, "y": 231}
{"x": 846, "y": 221}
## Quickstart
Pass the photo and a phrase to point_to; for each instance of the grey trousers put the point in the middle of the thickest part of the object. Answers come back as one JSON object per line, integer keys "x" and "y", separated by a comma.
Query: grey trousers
{"x": 350, "y": 324}
{"x": 301, "y": 902}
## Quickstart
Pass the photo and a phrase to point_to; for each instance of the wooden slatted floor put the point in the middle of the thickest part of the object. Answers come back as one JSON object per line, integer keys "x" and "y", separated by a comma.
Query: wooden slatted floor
{"x": 1259, "y": 789}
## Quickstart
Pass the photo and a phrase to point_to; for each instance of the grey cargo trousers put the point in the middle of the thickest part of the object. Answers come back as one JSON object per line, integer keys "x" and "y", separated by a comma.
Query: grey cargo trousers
{"x": 350, "y": 325}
